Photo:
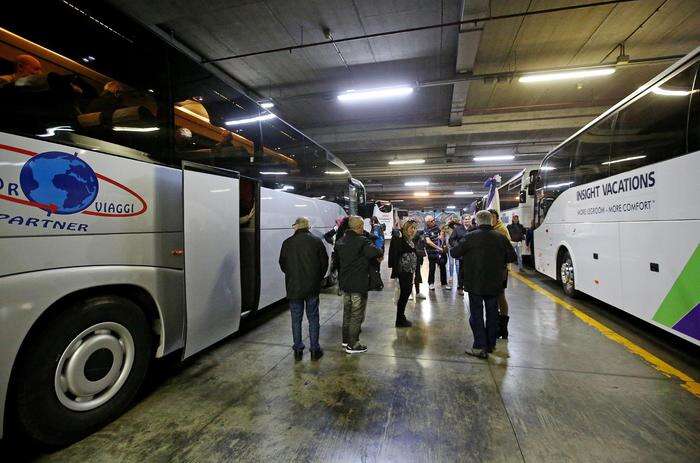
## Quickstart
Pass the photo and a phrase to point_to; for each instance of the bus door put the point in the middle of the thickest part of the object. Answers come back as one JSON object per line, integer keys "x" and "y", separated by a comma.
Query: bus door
{"x": 249, "y": 213}
{"x": 211, "y": 217}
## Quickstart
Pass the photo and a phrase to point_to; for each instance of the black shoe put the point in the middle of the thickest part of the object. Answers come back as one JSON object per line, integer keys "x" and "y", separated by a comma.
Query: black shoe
{"x": 503, "y": 326}
{"x": 479, "y": 353}
{"x": 403, "y": 323}
{"x": 298, "y": 355}
{"x": 316, "y": 354}
{"x": 358, "y": 349}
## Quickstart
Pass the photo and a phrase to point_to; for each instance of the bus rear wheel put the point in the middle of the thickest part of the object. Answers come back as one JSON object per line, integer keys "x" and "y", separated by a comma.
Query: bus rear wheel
{"x": 81, "y": 369}
{"x": 566, "y": 275}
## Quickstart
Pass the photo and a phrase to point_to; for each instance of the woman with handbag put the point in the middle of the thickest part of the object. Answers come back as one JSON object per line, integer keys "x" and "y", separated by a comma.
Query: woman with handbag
{"x": 403, "y": 254}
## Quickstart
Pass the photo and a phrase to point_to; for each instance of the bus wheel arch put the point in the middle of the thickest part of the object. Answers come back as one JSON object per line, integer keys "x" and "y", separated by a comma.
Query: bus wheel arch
{"x": 565, "y": 271}
{"x": 117, "y": 318}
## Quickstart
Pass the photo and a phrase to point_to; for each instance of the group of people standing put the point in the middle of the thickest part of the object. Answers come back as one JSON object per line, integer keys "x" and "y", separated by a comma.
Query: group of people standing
{"x": 477, "y": 251}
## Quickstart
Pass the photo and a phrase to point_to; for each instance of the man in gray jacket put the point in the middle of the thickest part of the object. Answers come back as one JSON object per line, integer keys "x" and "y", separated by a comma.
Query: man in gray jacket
{"x": 304, "y": 261}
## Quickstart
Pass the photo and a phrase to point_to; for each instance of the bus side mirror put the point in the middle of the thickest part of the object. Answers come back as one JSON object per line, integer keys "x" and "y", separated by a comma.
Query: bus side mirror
{"x": 523, "y": 194}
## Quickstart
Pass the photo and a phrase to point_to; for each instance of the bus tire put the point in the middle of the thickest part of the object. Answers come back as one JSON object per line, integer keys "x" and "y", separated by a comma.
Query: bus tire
{"x": 567, "y": 276}
{"x": 81, "y": 369}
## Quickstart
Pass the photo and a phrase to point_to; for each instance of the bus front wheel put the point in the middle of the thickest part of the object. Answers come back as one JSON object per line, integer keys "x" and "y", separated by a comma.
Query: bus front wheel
{"x": 566, "y": 275}
{"x": 81, "y": 369}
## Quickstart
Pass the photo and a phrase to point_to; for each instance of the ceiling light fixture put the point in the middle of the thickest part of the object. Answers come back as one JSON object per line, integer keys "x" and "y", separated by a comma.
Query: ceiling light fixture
{"x": 463, "y": 193}
{"x": 564, "y": 75}
{"x": 615, "y": 161}
{"x": 400, "y": 162}
{"x": 417, "y": 183}
{"x": 264, "y": 117}
{"x": 543, "y": 168}
{"x": 135, "y": 129}
{"x": 374, "y": 94}
{"x": 666, "y": 92}
{"x": 451, "y": 207}
{"x": 274, "y": 173}
{"x": 267, "y": 105}
{"x": 421, "y": 194}
{"x": 336, "y": 172}
{"x": 507, "y": 157}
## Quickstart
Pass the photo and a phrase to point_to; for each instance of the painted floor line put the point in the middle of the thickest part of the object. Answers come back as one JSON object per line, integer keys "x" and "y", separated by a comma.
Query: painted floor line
{"x": 688, "y": 382}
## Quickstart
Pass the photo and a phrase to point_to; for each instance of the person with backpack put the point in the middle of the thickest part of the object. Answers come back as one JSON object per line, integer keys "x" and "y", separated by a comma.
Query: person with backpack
{"x": 354, "y": 253}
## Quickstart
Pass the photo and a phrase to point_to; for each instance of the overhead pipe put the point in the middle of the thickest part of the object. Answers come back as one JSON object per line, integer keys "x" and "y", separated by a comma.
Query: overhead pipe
{"x": 473, "y": 21}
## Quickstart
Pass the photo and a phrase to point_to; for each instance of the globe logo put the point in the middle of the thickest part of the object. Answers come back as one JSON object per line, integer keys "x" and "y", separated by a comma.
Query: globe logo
{"x": 63, "y": 182}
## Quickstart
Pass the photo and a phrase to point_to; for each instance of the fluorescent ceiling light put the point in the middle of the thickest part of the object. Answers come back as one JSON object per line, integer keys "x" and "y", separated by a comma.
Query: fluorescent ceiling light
{"x": 396, "y": 200}
{"x": 373, "y": 94}
{"x": 267, "y": 105}
{"x": 508, "y": 157}
{"x": 563, "y": 75}
{"x": 399, "y": 162}
{"x": 336, "y": 172}
{"x": 451, "y": 207}
{"x": 264, "y": 117}
{"x": 557, "y": 185}
{"x": 51, "y": 131}
{"x": 463, "y": 193}
{"x": 543, "y": 168}
{"x": 666, "y": 92}
{"x": 135, "y": 129}
{"x": 418, "y": 183}
{"x": 274, "y": 173}
{"x": 615, "y": 161}
{"x": 422, "y": 194}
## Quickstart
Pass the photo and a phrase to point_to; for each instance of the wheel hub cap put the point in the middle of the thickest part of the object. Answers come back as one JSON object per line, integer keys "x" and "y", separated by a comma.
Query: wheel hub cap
{"x": 94, "y": 366}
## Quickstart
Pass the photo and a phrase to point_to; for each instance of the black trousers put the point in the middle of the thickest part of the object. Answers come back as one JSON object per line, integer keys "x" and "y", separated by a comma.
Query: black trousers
{"x": 432, "y": 262}
{"x": 406, "y": 287}
{"x": 417, "y": 277}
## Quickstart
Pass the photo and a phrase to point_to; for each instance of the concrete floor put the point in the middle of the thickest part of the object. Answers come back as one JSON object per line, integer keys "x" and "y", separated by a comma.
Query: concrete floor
{"x": 556, "y": 391}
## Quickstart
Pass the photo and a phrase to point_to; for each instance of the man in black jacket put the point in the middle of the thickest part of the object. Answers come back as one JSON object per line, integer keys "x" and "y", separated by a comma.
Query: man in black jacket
{"x": 304, "y": 261}
{"x": 354, "y": 253}
{"x": 485, "y": 254}
{"x": 517, "y": 236}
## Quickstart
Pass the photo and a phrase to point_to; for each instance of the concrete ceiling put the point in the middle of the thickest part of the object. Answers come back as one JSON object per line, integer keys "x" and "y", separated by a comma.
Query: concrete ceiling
{"x": 453, "y": 114}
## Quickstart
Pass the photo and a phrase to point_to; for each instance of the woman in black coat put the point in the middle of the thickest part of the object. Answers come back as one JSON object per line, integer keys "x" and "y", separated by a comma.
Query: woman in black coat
{"x": 402, "y": 260}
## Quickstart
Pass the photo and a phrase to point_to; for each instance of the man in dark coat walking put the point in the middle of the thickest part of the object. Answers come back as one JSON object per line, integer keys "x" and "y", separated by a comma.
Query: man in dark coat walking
{"x": 485, "y": 254}
{"x": 304, "y": 261}
{"x": 354, "y": 253}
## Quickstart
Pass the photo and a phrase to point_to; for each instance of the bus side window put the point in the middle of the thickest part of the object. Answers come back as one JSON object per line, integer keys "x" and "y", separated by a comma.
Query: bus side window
{"x": 653, "y": 128}
{"x": 592, "y": 158}
{"x": 556, "y": 177}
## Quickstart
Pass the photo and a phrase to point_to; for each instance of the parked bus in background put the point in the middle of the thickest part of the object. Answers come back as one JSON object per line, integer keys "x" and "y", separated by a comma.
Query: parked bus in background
{"x": 517, "y": 197}
{"x": 617, "y": 210}
{"x": 143, "y": 204}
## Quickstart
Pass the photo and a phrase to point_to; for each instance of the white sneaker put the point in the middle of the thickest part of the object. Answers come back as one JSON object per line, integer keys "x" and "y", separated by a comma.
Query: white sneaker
{"x": 446, "y": 287}
{"x": 431, "y": 287}
{"x": 410, "y": 297}
{"x": 419, "y": 296}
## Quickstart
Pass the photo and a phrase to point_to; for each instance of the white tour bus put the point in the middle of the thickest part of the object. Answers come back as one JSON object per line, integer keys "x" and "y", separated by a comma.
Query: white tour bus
{"x": 517, "y": 197}
{"x": 143, "y": 204}
{"x": 617, "y": 210}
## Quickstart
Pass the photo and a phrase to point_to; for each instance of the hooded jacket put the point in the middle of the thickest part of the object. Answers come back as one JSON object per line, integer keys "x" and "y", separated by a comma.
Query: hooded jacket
{"x": 353, "y": 253}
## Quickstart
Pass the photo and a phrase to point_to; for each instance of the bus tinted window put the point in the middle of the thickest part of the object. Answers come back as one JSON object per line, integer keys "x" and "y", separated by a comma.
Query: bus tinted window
{"x": 555, "y": 175}
{"x": 106, "y": 93}
{"x": 653, "y": 128}
{"x": 591, "y": 161}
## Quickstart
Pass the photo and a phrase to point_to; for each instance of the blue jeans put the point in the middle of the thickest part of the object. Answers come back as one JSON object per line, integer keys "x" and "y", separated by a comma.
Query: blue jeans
{"x": 453, "y": 269}
{"x": 517, "y": 246}
{"x": 484, "y": 334}
{"x": 296, "y": 307}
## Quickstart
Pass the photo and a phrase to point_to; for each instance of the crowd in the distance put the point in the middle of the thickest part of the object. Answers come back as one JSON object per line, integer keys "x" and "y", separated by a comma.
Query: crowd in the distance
{"x": 472, "y": 253}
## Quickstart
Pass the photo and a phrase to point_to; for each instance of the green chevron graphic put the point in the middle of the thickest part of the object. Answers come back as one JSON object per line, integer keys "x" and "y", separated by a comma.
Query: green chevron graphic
{"x": 684, "y": 294}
